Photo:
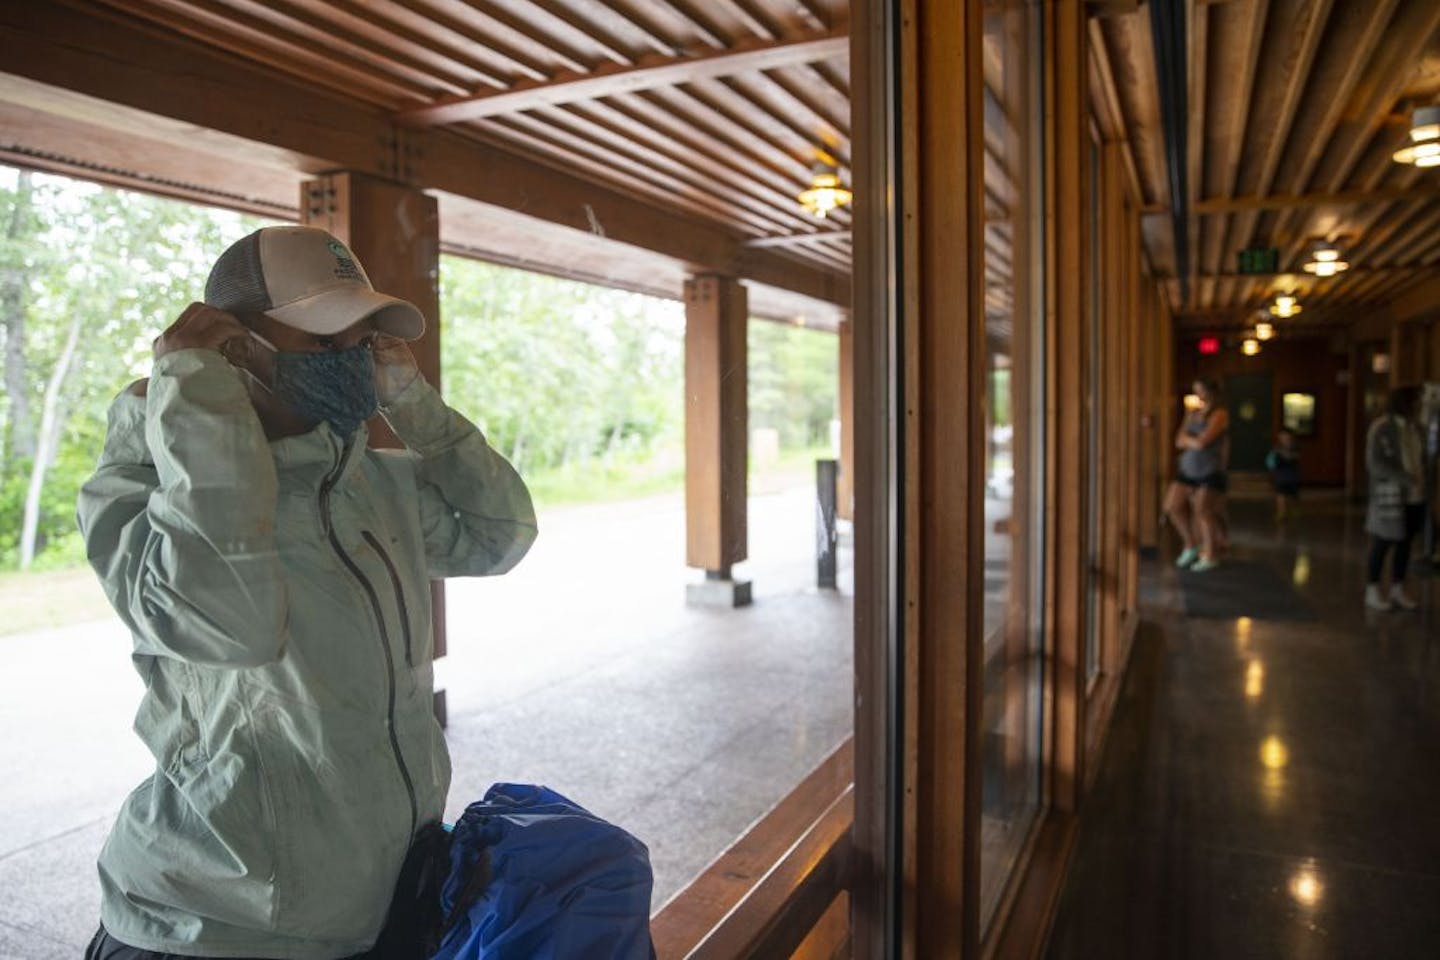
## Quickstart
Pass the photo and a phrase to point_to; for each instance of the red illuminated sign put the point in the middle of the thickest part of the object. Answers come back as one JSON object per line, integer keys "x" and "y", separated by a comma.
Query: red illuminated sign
{"x": 1209, "y": 345}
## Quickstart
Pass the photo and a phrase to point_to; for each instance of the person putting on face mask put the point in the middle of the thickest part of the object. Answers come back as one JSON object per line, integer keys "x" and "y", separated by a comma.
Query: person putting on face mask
{"x": 274, "y": 573}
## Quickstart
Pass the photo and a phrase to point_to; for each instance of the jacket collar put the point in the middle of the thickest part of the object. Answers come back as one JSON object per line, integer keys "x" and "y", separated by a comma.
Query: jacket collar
{"x": 309, "y": 459}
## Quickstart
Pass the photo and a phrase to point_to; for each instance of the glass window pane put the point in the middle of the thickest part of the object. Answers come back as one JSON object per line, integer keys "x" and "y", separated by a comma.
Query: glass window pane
{"x": 1014, "y": 495}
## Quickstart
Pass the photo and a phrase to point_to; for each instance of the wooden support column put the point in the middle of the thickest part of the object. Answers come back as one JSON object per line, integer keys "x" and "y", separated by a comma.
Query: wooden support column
{"x": 394, "y": 230}
{"x": 845, "y": 488}
{"x": 941, "y": 154}
{"x": 1068, "y": 290}
{"x": 716, "y": 429}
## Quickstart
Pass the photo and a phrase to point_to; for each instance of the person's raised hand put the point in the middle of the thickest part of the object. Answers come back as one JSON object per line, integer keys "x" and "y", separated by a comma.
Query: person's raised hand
{"x": 395, "y": 367}
{"x": 206, "y": 328}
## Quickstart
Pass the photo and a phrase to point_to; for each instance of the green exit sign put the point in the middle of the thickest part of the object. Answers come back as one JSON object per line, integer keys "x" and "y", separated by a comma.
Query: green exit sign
{"x": 1260, "y": 260}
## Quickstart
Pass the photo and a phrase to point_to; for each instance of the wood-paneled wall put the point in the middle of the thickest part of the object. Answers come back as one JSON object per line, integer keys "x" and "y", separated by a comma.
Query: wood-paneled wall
{"x": 1311, "y": 365}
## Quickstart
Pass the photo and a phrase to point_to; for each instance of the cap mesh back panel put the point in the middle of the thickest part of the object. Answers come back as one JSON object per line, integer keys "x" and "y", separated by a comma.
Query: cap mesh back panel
{"x": 237, "y": 282}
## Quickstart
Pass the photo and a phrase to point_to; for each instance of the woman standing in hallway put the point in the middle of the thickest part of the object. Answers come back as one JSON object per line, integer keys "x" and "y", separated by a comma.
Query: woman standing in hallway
{"x": 1193, "y": 501}
{"x": 1394, "y": 457}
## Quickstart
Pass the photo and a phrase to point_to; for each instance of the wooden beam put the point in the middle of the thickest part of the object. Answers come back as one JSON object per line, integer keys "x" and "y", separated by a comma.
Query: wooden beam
{"x": 942, "y": 243}
{"x": 611, "y": 79}
{"x": 845, "y": 391}
{"x": 796, "y": 240}
{"x": 715, "y": 423}
{"x": 1301, "y": 275}
{"x": 73, "y": 148}
{"x": 877, "y": 915}
{"x": 395, "y": 232}
{"x": 705, "y": 905}
{"x": 223, "y": 102}
{"x": 1217, "y": 205}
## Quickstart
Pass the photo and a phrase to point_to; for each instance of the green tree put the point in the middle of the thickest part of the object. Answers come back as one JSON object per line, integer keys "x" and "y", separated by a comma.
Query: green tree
{"x": 794, "y": 382}
{"x": 99, "y": 274}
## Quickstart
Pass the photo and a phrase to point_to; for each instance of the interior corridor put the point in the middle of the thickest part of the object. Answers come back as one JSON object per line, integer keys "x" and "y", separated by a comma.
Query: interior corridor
{"x": 1269, "y": 787}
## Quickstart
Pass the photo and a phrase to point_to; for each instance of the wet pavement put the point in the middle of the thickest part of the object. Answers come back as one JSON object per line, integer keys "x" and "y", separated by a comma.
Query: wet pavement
{"x": 583, "y": 670}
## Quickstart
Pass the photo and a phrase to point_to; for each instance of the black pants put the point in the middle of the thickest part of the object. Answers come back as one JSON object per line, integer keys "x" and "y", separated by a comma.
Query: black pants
{"x": 106, "y": 947}
{"x": 1414, "y": 521}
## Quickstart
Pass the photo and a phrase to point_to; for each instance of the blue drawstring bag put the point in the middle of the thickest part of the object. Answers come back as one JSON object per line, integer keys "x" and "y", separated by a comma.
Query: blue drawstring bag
{"x": 534, "y": 876}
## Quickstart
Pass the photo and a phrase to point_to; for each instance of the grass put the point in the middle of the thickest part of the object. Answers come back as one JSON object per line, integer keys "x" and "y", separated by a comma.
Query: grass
{"x": 47, "y": 599}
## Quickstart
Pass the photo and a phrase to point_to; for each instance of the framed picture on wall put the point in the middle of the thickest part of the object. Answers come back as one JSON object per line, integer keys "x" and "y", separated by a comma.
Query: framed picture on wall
{"x": 1297, "y": 413}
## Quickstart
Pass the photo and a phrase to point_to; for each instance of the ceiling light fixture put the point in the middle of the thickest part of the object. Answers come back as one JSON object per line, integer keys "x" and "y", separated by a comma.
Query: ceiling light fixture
{"x": 1286, "y": 305}
{"x": 826, "y": 193}
{"x": 1325, "y": 260}
{"x": 1250, "y": 346}
{"x": 1424, "y": 148}
{"x": 1264, "y": 331}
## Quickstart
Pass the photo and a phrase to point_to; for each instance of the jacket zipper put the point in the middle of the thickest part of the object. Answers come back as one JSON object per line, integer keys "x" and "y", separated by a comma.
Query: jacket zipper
{"x": 374, "y": 542}
{"x": 369, "y": 589}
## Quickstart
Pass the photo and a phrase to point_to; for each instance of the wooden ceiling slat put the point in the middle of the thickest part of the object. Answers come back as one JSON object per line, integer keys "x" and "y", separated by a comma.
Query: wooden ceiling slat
{"x": 1349, "y": 39}
{"x": 549, "y": 153}
{"x": 587, "y": 30}
{"x": 835, "y": 75}
{"x": 1294, "y": 65}
{"x": 640, "y": 166}
{"x": 712, "y": 119}
{"x": 701, "y": 24}
{"x": 755, "y": 104}
{"x": 615, "y": 134}
{"x": 235, "y": 101}
{"x": 1202, "y": 292}
{"x": 819, "y": 235}
{"x": 702, "y": 135}
{"x": 1387, "y": 250}
{"x": 260, "y": 45}
{"x": 758, "y": 22}
{"x": 652, "y": 35}
{"x": 355, "y": 38}
{"x": 487, "y": 28}
{"x": 1237, "y": 65}
{"x": 609, "y": 80}
{"x": 822, "y": 102}
{"x": 389, "y": 25}
{"x": 1391, "y": 66}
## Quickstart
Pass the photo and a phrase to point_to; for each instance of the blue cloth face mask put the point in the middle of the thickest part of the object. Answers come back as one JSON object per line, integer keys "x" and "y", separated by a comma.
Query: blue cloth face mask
{"x": 337, "y": 386}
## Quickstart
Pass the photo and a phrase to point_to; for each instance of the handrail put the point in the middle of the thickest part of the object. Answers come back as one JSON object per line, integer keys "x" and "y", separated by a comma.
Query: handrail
{"x": 763, "y": 895}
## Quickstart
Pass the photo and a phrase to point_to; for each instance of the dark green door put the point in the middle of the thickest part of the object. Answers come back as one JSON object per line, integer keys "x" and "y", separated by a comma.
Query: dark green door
{"x": 1248, "y": 396}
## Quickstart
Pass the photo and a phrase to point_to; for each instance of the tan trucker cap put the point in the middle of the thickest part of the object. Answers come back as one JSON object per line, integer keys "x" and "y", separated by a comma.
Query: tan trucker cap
{"x": 306, "y": 279}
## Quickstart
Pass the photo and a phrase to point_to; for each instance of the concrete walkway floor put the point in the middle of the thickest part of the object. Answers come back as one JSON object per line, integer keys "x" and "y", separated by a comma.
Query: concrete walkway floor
{"x": 582, "y": 670}
{"x": 1269, "y": 789}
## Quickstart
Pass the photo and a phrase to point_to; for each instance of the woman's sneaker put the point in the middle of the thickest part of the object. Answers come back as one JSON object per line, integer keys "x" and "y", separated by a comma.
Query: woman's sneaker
{"x": 1187, "y": 558}
{"x": 1374, "y": 599}
{"x": 1205, "y": 565}
{"x": 1400, "y": 599}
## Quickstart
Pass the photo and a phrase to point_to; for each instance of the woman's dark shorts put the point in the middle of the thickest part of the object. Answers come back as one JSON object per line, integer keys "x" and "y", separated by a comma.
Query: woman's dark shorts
{"x": 1218, "y": 482}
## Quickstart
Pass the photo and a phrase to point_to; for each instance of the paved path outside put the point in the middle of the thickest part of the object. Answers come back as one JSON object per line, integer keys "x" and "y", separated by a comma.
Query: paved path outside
{"x": 583, "y": 670}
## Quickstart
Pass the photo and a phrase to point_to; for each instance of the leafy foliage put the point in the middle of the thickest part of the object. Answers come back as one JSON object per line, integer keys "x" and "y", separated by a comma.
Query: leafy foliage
{"x": 581, "y": 387}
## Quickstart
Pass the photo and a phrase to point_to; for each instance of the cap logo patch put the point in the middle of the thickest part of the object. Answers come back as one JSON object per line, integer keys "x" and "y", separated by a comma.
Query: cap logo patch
{"x": 345, "y": 267}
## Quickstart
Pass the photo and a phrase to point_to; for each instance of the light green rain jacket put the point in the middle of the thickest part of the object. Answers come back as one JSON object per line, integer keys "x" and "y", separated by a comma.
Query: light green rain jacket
{"x": 278, "y": 594}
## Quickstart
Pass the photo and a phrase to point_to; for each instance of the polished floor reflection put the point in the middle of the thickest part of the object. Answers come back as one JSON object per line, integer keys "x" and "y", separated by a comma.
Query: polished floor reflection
{"x": 1270, "y": 788}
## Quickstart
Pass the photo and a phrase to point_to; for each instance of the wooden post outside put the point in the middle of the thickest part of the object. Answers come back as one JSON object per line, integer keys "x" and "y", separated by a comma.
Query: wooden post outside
{"x": 716, "y": 433}
{"x": 845, "y": 485}
{"x": 394, "y": 230}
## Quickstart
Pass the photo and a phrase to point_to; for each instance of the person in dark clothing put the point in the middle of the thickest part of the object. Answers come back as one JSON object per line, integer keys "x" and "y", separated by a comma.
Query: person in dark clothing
{"x": 1283, "y": 462}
